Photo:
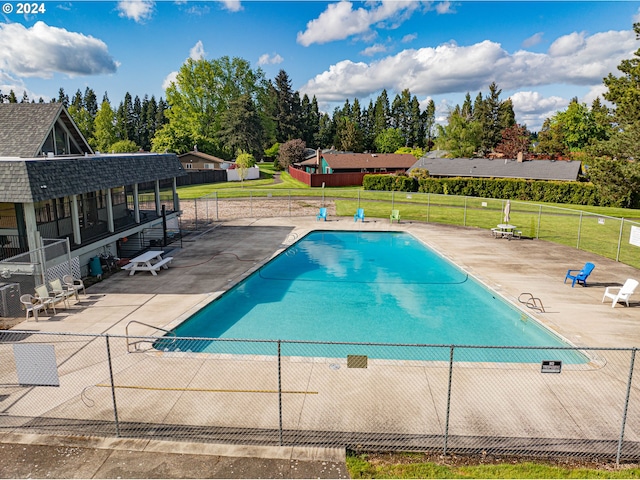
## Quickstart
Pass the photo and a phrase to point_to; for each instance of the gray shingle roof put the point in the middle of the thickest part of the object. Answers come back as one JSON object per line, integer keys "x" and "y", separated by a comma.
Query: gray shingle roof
{"x": 500, "y": 168}
{"x": 33, "y": 180}
{"x": 24, "y": 127}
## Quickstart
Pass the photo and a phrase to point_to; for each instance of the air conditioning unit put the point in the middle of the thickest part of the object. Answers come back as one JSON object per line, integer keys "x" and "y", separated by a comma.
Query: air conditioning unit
{"x": 10, "y": 300}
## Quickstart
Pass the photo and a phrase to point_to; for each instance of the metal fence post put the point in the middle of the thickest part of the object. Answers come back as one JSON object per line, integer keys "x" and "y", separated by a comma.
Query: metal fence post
{"x": 619, "y": 239}
{"x": 579, "y": 231}
{"x": 195, "y": 209}
{"x": 464, "y": 220}
{"x": 428, "y": 205}
{"x": 280, "y": 389}
{"x": 446, "y": 425}
{"x": 113, "y": 387}
{"x": 626, "y": 405}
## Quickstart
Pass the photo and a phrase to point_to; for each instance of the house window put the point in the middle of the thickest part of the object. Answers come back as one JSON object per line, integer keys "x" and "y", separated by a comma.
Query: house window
{"x": 188, "y": 166}
{"x": 210, "y": 166}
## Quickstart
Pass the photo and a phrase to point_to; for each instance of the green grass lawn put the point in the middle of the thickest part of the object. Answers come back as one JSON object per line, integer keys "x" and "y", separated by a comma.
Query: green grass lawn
{"x": 593, "y": 229}
{"x": 413, "y": 466}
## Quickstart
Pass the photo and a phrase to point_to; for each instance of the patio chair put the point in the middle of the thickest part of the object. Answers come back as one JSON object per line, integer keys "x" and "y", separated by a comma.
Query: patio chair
{"x": 623, "y": 292}
{"x": 395, "y": 215}
{"x": 45, "y": 298}
{"x": 322, "y": 214}
{"x": 31, "y": 305}
{"x": 359, "y": 215}
{"x": 73, "y": 283}
{"x": 60, "y": 291}
{"x": 581, "y": 276}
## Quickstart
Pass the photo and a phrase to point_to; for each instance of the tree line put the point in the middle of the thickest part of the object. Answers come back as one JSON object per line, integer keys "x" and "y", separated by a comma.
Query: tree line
{"x": 226, "y": 108}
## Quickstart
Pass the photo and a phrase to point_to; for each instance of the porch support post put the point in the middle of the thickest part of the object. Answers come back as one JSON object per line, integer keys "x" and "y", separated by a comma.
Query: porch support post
{"x": 75, "y": 219}
{"x": 176, "y": 200}
{"x": 31, "y": 226}
{"x": 157, "y": 197}
{"x": 110, "y": 224}
{"x": 136, "y": 204}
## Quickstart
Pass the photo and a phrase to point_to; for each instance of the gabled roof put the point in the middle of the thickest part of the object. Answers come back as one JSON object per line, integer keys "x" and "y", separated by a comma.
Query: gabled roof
{"x": 204, "y": 156}
{"x": 24, "y": 127}
{"x": 343, "y": 161}
{"x": 500, "y": 168}
{"x": 34, "y": 180}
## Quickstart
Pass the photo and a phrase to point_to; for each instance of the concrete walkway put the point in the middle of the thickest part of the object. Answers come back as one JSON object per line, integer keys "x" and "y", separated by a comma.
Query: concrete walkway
{"x": 211, "y": 262}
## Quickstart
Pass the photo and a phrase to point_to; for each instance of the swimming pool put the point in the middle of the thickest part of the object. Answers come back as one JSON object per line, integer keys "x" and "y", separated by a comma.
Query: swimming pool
{"x": 370, "y": 287}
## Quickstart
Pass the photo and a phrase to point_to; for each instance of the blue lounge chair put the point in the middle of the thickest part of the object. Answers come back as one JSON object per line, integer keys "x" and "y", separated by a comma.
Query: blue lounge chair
{"x": 322, "y": 215}
{"x": 581, "y": 276}
{"x": 359, "y": 215}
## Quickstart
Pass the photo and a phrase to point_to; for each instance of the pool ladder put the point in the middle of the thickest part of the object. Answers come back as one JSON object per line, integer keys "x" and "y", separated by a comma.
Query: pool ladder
{"x": 140, "y": 341}
{"x": 532, "y": 302}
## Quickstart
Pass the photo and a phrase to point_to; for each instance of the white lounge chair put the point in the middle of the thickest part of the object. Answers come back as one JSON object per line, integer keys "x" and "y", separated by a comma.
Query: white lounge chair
{"x": 623, "y": 292}
{"x": 60, "y": 291}
{"x": 44, "y": 297}
{"x": 74, "y": 283}
{"x": 31, "y": 305}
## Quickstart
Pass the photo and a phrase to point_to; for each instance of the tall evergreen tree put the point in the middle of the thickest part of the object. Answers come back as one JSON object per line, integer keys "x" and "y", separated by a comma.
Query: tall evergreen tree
{"x": 242, "y": 128}
{"x": 63, "y": 98}
{"x": 287, "y": 109}
{"x": 429, "y": 122}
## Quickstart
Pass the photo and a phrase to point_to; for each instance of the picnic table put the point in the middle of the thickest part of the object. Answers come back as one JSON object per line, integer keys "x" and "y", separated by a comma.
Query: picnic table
{"x": 505, "y": 230}
{"x": 150, "y": 261}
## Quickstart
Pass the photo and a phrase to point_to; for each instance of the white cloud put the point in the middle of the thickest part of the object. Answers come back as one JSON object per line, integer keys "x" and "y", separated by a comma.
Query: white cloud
{"x": 373, "y": 50}
{"x": 595, "y": 91}
{"x": 340, "y": 20}
{"x": 169, "y": 79}
{"x": 195, "y": 53}
{"x": 636, "y": 17}
{"x": 533, "y": 40}
{"x": 137, "y": 10}
{"x": 567, "y": 45}
{"x": 409, "y": 37}
{"x": 531, "y": 108}
{"x": 451, "y": 68}
{"x": 231, "y": 5}
{"x": 444, "y": 7}
{"x": 267, "y": 59}
{"x": 42, "y": 50}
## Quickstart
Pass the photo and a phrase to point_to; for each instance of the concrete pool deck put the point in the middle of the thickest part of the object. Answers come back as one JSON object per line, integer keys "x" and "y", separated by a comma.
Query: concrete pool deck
{"x": 211, "y": 262}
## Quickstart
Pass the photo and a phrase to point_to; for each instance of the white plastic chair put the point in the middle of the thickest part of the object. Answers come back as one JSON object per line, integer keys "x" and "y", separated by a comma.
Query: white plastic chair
{"x": 73, "y": 283}
{"x": 31, "y": 305}
{"x": 61, "y": 292}
{"x": 623, "y": 292}
{"x": 44, "y": 297}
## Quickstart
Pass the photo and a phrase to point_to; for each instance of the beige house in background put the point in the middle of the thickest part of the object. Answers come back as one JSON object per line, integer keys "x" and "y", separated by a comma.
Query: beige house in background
{"x": 195, "y": 160}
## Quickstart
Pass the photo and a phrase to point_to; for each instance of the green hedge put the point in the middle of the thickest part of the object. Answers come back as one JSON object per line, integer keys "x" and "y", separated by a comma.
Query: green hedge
{"x": 399, "y": 183}
{"x": 577, "y": 193}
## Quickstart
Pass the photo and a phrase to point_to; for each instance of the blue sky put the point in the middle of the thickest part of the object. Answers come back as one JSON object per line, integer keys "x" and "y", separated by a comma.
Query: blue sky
{"x": 540, "y": 53}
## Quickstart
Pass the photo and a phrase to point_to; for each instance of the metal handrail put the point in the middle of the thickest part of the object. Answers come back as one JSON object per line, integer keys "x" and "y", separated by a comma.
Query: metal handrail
{"x": 532, "y": 302}
{"x": 146, "y": 340}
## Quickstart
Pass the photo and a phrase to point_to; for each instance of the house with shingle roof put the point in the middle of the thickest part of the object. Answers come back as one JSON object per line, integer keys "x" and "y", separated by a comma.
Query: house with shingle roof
{"x": 347, "y": 168}
{"x": 562, "y": 170}
{"x": 53, "y": 186}
{"x": 196, "y": 160}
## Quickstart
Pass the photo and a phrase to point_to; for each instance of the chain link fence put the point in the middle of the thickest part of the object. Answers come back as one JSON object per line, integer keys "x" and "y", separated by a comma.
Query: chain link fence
{"x": 599, "y": 234}
{"x": 438, "y": 398}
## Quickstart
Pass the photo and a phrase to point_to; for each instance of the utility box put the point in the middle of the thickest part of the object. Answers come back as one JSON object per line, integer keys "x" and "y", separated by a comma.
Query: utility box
{"x": 10, "y": 305}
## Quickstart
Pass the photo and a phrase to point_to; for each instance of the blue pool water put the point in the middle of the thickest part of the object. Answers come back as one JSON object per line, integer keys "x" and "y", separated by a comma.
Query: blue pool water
{"x": 372, "y": 287}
